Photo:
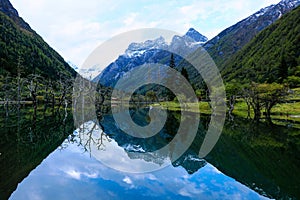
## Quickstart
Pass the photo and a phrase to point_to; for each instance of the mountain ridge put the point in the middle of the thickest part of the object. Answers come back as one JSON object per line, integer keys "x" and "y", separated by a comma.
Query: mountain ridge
{"x": 150, "y": 51}
{"x": 233, "y": 38}
{"x": 271, "y": 56}
{"x": 7, "y": 8}
{"x": 223, "y": 47}
{"x": 194, "y": 34}
{"x": 20, "y": 46}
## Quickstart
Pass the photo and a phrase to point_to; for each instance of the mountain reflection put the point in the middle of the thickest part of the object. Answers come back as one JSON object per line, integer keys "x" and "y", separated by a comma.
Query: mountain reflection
{"x": 250, "y": 159}
{"x": 265, "y": 158}
{"x": 110, "y": 145}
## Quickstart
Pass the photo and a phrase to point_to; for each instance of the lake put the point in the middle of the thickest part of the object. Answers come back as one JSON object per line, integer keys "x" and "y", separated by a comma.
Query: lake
{"x": 46, "y": 157}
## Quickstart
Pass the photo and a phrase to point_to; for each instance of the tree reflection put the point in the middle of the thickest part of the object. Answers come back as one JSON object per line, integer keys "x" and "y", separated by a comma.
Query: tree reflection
{"x": 94, "y": 137}
{"x": 25, "y": 143}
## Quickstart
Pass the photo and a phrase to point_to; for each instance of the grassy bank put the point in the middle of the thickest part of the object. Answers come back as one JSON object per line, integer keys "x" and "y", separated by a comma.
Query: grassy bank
{"x": 286, "y": 113}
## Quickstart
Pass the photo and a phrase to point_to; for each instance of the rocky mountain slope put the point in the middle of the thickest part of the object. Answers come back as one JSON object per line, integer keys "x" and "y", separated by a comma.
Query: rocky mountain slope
{"x": 150, "y": 51}
{"x": 228, "y": 42}
{"x": 222, "y": 48}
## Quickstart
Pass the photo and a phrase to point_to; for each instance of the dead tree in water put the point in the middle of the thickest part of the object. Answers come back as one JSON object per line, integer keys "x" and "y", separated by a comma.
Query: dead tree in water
{"x": 33, "y": 86}
{"x": 9, "y": 94}
{"x": 65, "y": 86}
{"x": 6, "y": 90}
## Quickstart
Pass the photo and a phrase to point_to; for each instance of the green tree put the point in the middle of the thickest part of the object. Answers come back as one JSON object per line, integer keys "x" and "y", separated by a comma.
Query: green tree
{"x": 233, "y": 89}
{"x": 169, "y": 79}
{"x": 265, "y": 96}
{"x": 185, "y": 74}
{"x": 172, "y": 61}
{"x": 283, "y": 69}
{"x": 151, "y": 96}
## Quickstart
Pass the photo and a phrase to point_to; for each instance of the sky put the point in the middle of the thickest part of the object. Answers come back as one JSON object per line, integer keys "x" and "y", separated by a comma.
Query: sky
{"x": 75, "y": 28}
{"x": 71, "y": 174}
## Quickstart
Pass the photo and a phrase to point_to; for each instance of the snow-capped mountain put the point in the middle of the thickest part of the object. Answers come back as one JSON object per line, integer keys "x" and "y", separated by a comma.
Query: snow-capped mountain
{"x": 221, "y": 48}
{"x": 228, "y": 42}
{"x": 192, "y": 33}
{"x": 150, "y": 51}
{"x": 73, "y": 66}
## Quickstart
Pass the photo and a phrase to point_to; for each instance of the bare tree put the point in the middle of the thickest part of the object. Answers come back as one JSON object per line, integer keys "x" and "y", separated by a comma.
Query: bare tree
{"x": 33, "y": 82}
{"x": 65, "y": 86}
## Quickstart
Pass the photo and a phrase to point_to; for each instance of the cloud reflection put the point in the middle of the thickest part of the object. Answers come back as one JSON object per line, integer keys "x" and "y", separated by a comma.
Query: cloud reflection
{"x": 72, "y": 174}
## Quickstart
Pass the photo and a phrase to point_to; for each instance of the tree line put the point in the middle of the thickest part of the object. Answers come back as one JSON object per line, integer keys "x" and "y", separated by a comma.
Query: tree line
{"x": 34, "y": 89}
{"x": 260, "y": 97}
{"x": 15, "y": 92}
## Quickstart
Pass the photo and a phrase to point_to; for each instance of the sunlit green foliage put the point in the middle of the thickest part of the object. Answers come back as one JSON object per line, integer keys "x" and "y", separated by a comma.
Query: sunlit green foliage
{"x": 272, "y": 56}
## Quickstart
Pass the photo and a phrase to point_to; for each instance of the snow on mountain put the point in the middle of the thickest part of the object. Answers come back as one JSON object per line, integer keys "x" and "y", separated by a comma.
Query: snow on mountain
{"x": 192, "y": 33}
{"x": 223, "y": 46}
{"x": 150, "y": 51}
{"x": 73, "y": 66}
{"x": 138, "y": 49}
{"x": 275, "y": 11}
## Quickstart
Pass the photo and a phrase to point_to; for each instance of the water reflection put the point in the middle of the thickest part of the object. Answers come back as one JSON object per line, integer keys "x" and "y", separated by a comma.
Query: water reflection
{"x": 128, "y": 158}
{"x": 131, "y": 154}
{"x": 264, "y": 158}
{"x": 250, "y": 161}
{"x": 27, "y": 138}
{"x": 83, "y": 177}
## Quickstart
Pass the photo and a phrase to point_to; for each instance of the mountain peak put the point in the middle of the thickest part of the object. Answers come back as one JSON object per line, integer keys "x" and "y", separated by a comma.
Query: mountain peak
{"x": 198, "y": 37}
{"x": 232, "y": 39}
{"x": 137, "y": 49}
{"x": 294, "y": 2}
{"x": 7, "y": 8}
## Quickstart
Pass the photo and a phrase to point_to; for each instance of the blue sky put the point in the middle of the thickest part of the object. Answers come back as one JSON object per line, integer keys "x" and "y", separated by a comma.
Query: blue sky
{"x": 75, "y": 28}
{"x": 71, "y": 174}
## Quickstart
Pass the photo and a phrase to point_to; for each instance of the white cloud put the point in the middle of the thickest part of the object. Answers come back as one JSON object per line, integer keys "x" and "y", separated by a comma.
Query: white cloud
{"x": 91, "y": 175}
{"x": 34, "y": 195}
{"x": 190, "y": 190}
{"x": 75, "y": 28}
{"x": 127, "y": 180}
{"x": 152, "y": 177}
{"x": 74, "y": 174}
{"x": 78, "y": 174}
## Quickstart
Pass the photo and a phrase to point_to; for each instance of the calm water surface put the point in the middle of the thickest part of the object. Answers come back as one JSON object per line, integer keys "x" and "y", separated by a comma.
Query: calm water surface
{"x": 46, "y": 158}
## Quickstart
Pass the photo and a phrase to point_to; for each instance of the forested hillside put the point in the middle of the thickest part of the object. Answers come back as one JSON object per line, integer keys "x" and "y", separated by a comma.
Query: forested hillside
{"x": 23, "y": 50}
{"x": 27, "y": 50}
{"x": 226, "y": 44}
{"x": 30, "y": 70}
{"x": 272, "y": 56}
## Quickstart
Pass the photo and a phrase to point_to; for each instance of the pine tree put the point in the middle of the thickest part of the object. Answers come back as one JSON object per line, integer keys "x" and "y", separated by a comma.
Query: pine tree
{"x": 185, "y": 74}
{"x": 169, "y": 79}
{"x": 172, "y": 62}
{"x": 283, "y": 69}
